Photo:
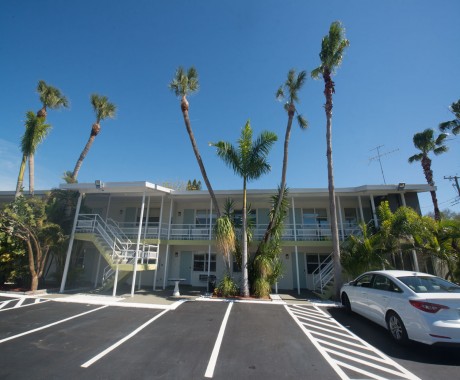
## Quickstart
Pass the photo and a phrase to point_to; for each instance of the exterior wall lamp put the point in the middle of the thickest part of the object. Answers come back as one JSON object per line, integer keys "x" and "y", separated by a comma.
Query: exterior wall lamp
{"x": 401, "y": 186}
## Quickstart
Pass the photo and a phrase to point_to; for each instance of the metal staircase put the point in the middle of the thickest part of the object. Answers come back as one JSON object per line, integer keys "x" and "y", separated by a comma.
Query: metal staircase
{"x": 324, "y": 274}
{"x": 116, "y": 248}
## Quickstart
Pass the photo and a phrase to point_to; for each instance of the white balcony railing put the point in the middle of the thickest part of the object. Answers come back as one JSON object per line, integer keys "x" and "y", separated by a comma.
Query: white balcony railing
{"x": 291, "y": 232}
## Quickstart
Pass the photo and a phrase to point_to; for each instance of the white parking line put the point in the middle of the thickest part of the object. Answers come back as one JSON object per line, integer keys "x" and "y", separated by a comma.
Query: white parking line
{"x": 4, "y": 303}
{"x": 50, "y": 325}
{"x": 121, "y": 341}
{"x": 20, "y": 302}
{"x": 215, "y": 352}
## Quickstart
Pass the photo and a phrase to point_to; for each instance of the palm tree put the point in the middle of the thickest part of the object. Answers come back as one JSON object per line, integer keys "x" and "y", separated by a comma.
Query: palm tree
{"x": 426, "y": 143}
{"x": 332, "y": 49}
{"x": 453, "y": 125}
{"x": 288, "y": 91}
{"x": 35, "y": 133}
{"x": 51, "y": 98}
{"x": 103, "y": 110}
{"x": 183, "y": 84}
{"x": 249, "y": 161}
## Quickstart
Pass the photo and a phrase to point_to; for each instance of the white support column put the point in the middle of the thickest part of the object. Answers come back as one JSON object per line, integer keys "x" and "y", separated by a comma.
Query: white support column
{"x": 147, "y": 214}
{"x": 361, "y": 209}
{"x": 69, "y": 249}
{"x": 160, "y": 221}
{"x": 167, "y": 247}
{"x": 108, "y": 207}
{"x": 339, "y": 212}
{"x": 295, "y": 247}
{"x": 136, "y": 256}
{"x": 403, "y": 199}
{"x": 114, "y": 293}
{"x": 209, "y": 245}
{"x": 97, "y": 270}
{"x": 374, "y": 213}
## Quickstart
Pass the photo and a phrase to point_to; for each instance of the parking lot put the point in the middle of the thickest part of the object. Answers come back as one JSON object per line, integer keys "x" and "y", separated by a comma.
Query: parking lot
{"x": 43, "y": 338}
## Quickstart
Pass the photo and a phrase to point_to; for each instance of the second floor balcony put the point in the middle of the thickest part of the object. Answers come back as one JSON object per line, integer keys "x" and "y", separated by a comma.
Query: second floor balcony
{"x": 204, "y": 232}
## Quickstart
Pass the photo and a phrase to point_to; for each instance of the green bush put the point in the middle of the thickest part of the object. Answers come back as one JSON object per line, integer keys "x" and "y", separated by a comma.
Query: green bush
{"x": 262, "y": 288}
{"x": 227, "y": 287}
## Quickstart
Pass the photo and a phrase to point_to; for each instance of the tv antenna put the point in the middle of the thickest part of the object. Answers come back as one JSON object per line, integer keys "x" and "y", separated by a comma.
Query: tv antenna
{"x": 379, "y": 156}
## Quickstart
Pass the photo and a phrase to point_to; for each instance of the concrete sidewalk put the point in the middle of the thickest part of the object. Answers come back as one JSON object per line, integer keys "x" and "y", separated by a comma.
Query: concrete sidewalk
{"x": 164, "y": 299}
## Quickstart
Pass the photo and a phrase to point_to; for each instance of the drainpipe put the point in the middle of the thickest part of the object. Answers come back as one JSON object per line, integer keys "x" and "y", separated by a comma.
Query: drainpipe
{"x": 158, "y": 243}
{"x": 136, "y": 256}
{"x": 69, "y": 249}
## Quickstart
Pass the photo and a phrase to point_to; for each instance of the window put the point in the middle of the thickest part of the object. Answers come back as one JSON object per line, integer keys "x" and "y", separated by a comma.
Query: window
{"x": 200, "y": 262}
{"x": 238, "y": 218}
{"x": 152, "y": 218}
{"x": 202, "y": 217}
{"x": 384, "y": 283}
{"x": 315, "y": 217}
{"x": 351, "y": 219}
{"x": 364, "y": 281}
{"x": 426, "y": 284}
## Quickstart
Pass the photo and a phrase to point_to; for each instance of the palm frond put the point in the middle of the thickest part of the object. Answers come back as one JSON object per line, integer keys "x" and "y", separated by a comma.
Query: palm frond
{"x": 303, "y": 123}
{"x": 415, "y": 157}
{"x": 440, "y": 150}
{"x": 280, "y": 94}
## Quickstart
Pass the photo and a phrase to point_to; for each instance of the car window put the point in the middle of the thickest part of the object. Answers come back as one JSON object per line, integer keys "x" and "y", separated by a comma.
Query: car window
{"x": 428, "y": 284}
{"x": 384, "y": 283}
{"x": 364, "y": 281}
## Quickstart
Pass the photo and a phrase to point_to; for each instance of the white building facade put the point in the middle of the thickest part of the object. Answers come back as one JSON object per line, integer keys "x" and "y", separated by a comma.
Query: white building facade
{"x": 146, "y": 235}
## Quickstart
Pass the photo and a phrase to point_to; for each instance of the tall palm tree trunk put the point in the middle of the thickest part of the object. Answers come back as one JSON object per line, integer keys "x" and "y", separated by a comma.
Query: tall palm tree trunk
{"x": 22, "y": 170}
{"x": 82, "y": 156}
{"x": 328, "y": 91}
{"x": 31, "y": 174}
{"x": 184, "y": 108}
{"x": 287, "y": 137}
{"x": 245, "y": 245}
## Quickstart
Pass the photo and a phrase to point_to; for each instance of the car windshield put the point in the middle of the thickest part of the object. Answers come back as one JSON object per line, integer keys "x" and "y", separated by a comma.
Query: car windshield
{"x": 427, "y": 284}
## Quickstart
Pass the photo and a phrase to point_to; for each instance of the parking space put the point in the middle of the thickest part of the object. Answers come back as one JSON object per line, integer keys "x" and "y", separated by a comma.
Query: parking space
{"x": 264, "y": 342}
{"x": 351, "y": 356}
{"x": 196, "y": 340}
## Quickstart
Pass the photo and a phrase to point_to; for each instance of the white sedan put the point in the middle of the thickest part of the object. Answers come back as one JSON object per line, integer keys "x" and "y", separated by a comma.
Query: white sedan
{"x": 412, "y": 305}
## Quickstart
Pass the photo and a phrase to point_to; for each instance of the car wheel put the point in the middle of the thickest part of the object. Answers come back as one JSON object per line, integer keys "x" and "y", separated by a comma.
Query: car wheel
{"x": 396, "y": 328}
{"x": 346, "y": 302}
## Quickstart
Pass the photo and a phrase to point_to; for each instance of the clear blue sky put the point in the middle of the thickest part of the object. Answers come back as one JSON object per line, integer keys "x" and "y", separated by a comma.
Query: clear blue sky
{"x": 398, "y": 77}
